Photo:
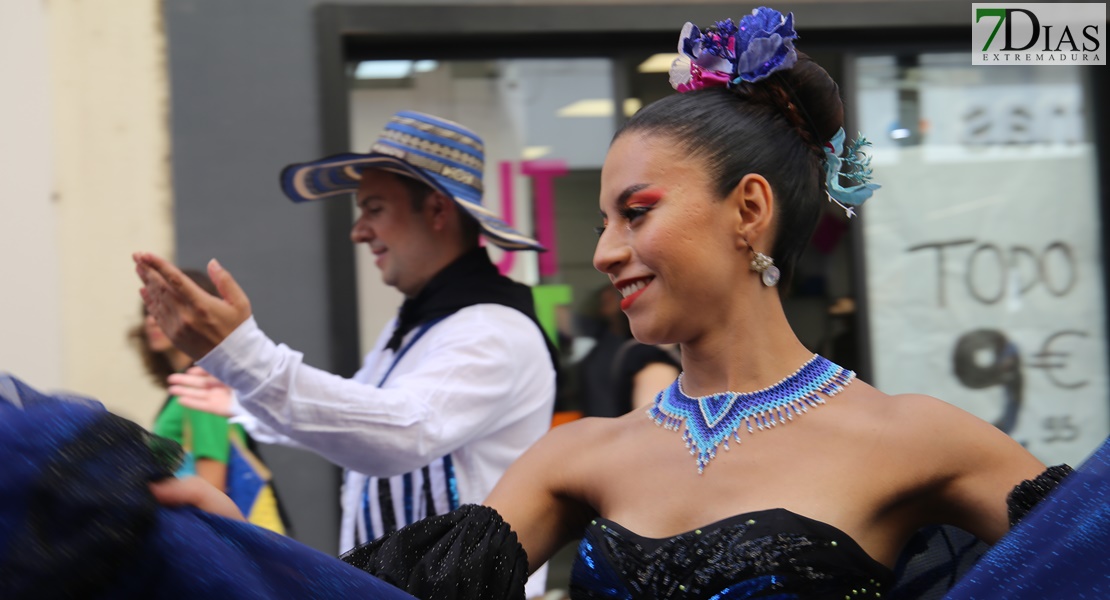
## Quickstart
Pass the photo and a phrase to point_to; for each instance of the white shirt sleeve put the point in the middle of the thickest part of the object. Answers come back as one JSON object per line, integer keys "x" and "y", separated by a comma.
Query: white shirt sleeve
{"x": 255, "y": 428}
{"x": 459, "y": 386}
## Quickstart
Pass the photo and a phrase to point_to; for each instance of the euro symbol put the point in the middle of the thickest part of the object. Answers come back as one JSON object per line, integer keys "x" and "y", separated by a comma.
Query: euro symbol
{"x": 1050, "y": 361}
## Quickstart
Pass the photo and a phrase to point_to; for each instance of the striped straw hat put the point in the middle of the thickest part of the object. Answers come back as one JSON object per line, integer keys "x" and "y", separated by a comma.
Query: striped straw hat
{"x": 442, "y": 154}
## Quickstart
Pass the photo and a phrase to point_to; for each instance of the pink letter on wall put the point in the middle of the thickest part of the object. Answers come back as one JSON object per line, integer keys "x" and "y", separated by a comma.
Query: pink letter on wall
{"x": 506, "y": 263}
{"x": 545, "y": 172}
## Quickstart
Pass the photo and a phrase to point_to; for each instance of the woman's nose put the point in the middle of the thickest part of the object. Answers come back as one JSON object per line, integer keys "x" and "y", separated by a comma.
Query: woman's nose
{"x": 611, "y": 252}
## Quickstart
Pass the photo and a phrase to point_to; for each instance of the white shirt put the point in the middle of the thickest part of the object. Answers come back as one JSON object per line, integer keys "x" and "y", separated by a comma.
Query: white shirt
{"x": 478, "y": 386}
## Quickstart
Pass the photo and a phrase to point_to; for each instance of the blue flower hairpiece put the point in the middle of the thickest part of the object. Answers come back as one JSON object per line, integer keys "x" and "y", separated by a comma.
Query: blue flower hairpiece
{"x": 766, "y": 44}
{"x": 858, "y": 169}
{"x": 726, "y": 54}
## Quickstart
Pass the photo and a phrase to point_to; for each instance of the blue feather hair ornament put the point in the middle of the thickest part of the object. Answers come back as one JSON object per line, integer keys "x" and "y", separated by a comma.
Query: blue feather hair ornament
{"x": 855, "y": 166}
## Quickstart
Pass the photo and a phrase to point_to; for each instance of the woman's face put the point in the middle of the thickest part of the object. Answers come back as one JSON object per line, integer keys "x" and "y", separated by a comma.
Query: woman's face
{"x": 668, "y": 243}
{"x": 155, "y": 339}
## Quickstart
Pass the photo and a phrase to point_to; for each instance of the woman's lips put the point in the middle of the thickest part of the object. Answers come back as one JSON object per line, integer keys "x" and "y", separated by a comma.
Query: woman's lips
{"x": 631, "y": 290}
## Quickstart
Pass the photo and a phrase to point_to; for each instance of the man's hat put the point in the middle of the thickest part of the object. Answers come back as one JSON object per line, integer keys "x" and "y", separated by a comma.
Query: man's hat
{"x": 445, "y": 155}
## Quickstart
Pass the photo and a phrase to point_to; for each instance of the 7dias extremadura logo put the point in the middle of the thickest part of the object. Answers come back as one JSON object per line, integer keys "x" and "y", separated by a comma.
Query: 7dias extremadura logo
{"x": 1038, "y": 34}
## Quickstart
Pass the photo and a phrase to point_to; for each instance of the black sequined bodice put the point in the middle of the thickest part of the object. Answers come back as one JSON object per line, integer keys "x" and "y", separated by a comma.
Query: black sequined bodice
{"x": 766, "y": 554}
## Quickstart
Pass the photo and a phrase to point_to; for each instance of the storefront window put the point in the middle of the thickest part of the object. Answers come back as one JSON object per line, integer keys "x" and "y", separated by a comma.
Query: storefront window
{"x": 984, "y": 277}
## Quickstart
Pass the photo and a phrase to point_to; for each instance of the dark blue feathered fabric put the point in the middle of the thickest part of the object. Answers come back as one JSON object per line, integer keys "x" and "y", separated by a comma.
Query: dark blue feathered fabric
{"x": 78, "y": 521}
{"x": 1061, "y": 549}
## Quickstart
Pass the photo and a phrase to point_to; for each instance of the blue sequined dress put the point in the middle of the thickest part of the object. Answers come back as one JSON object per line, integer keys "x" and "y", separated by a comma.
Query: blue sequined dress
{"x": 766, "y": 554}
{"x": 1059, "y": 547}
{"x": 770, "y": 554}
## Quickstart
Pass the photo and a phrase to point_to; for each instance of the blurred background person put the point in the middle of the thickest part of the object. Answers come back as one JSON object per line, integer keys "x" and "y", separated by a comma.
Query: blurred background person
{"x": 209, "y": 433}
{"x": 211, "y": 443}
{"x": 619, "y": 374}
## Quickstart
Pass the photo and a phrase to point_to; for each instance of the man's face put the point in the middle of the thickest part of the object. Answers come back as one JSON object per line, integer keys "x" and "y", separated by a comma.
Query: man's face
{"x": 401, "y": 239}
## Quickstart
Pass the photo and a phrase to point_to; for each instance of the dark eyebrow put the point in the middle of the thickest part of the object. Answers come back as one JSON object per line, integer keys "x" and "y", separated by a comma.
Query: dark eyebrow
{"x": 623, "y": 197}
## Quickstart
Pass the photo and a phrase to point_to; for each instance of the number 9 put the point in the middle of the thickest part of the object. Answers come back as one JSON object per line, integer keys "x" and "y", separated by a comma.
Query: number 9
{"x": 1005, "y": 370}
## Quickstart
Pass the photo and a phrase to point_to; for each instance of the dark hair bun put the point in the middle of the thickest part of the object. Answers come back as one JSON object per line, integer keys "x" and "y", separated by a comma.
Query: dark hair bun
{"x": 805, "y": 95}
{"x": 817, "y": 94}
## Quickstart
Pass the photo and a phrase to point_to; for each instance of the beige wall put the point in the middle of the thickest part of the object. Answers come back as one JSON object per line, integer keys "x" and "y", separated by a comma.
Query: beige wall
{"x": 30, "y": 303}
{"x": 91, "y": 179}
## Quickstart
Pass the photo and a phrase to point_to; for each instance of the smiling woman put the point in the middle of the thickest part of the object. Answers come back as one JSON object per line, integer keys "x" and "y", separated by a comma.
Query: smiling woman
{"x": 708, "y": 198}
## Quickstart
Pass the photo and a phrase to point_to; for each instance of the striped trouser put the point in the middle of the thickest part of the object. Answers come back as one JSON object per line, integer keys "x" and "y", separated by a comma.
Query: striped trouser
{"x": 389, "y": 503}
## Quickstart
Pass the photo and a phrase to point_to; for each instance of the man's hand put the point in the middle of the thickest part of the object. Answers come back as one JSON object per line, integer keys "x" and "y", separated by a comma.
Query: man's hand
{"x": 194, "y": 491}
{"x": 199, "y": 390}
{"x": 194, "y": 320}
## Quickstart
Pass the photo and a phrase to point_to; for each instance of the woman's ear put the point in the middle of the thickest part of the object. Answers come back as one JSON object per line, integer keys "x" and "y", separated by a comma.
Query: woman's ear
{"x": 754, "y": 203}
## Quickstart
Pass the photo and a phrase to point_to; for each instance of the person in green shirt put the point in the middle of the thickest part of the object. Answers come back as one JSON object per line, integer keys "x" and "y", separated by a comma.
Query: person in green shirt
{"x": 206, "y": 437}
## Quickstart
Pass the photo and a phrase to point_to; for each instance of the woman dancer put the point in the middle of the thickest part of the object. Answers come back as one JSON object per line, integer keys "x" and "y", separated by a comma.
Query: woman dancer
{"x": 708, "y": 198}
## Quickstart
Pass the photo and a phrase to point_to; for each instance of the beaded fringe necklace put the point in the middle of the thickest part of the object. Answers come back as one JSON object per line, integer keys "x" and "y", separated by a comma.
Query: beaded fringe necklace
{"x": 710, "y": 420}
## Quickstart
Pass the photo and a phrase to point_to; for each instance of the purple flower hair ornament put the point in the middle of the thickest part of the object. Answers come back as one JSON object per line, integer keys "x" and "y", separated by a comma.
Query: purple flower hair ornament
{"x": 856, "y": 167}
{"x": 726, "y": 53}
{"x": 765, "y": 44}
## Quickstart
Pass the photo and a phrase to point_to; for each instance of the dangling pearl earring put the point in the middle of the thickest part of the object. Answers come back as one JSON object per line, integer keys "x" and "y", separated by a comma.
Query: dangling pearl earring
{"x": 765, "y": 266}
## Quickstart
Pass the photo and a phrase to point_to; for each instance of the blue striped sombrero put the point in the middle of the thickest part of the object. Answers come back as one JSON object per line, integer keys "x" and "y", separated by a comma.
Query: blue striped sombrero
{"x": 442, "y": 154}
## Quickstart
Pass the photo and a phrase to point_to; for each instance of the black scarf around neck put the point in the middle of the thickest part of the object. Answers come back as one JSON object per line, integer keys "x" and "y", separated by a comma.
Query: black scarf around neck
{"x": 471, "y": 279}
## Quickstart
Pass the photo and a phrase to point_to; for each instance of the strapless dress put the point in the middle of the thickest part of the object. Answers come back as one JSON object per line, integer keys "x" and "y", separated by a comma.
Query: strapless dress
{"x": 772, "y": 553}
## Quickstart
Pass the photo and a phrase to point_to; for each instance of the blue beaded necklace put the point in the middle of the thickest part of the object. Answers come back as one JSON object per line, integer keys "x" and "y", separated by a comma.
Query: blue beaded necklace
{"x": 710, "y": 420}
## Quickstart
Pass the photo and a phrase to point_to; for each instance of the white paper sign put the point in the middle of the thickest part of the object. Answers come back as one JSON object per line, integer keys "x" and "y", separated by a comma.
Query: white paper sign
{"x": 984, "y": 274}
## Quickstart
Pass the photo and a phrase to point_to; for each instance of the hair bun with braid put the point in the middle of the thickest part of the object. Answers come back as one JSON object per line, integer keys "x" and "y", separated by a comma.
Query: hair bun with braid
{"x": 806, "y": 96}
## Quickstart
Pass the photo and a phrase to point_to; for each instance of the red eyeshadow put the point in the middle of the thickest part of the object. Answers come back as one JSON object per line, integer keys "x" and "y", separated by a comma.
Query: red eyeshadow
{"x": 644, "y": 198}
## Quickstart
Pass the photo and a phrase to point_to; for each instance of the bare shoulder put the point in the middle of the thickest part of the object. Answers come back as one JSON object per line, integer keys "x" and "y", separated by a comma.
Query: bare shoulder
{"x": 541, "y": 494}
{"x": 918, "y": 425}
{"x": 939, "y": 463}
{"x": 956, "y": 439}
{"x": 557, "y": 463}
{"x": 920, "y": 418}
{"x": 900, "y": 414}
{"x": 928, "y": 415}
{"x": 580, "y": 438}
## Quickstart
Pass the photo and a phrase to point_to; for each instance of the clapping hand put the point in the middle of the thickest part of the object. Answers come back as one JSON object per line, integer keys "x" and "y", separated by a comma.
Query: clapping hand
{"x": 194, "y": 320}
{"x": 199, "y": 390}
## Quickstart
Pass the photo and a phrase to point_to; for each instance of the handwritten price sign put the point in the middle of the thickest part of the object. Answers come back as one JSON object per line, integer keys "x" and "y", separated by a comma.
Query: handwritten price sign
{"x": 983, "y": 254}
